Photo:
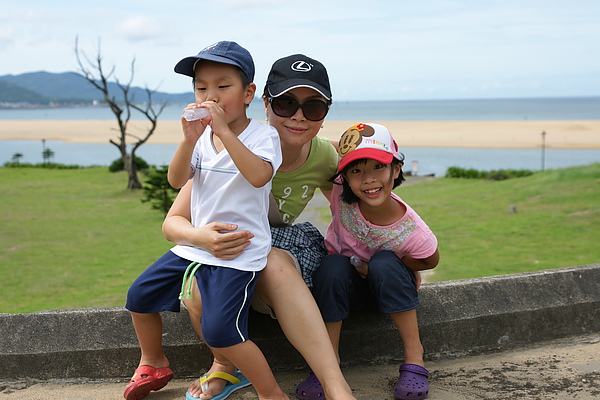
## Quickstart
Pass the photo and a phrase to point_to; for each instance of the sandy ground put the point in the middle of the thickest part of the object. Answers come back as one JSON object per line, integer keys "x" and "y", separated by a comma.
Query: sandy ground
{"x": 479, "y": 134}
{"x": 562, "y": 369}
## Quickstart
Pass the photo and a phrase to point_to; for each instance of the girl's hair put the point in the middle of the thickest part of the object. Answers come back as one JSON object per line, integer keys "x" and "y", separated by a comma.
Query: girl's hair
{"x": 348, "y": 195}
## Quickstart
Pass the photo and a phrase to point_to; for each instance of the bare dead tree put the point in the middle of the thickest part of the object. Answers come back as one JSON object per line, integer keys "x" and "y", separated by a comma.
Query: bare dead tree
{"x": 93, "y": 71}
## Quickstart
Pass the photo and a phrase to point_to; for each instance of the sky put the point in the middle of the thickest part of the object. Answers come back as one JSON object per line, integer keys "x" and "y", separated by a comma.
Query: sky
{"x": 373, "y": 49}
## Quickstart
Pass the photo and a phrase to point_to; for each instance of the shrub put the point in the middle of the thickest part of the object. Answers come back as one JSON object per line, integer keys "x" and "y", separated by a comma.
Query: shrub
{"x": 47, "y": 165}
{"x": 140, "y": 163}
{"x": 157, "y": 190}
{"x": 499, "y": 175}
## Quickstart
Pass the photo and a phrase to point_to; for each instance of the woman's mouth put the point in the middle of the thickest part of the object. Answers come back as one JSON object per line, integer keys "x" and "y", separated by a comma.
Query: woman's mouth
{"x": 296, "y": 131}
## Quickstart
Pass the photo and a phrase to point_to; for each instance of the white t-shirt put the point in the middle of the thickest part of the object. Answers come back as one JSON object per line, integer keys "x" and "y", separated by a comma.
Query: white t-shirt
{"x": 220, "y": 193}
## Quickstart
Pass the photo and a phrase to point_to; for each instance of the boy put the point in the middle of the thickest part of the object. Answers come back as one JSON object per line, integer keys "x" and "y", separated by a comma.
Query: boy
{"x": 232, "y": 160}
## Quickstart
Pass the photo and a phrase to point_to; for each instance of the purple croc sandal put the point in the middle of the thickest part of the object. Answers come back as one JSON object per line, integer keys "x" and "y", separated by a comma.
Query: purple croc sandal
{"x": 310, "y": 388}
{"x": 412, "y": 382}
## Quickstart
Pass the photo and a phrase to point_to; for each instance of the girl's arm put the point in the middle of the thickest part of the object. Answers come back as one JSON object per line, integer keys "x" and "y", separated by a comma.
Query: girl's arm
{"x": 424, "y": 263}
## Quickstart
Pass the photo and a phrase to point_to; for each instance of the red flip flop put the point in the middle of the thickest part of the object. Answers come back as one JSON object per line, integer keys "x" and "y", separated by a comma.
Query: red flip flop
{"x": 146, "y": 379}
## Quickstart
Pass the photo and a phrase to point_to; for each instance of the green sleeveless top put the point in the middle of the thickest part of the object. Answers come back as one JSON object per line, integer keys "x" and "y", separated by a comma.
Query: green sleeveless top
{"x": 293, "y": 190}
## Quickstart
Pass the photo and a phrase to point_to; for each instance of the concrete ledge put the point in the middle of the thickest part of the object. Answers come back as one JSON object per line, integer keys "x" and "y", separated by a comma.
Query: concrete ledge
{"x": 456, "y": 318}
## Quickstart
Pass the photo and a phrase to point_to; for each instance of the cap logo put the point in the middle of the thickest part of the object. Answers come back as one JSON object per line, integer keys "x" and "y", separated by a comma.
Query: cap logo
{"x": 301, "y": 66}
{"x": 353, "y": 137}
{"x": 210, "y": 47}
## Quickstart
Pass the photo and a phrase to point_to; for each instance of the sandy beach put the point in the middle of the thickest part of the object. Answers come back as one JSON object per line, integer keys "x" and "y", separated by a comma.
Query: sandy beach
{"x": 469, "y": 134}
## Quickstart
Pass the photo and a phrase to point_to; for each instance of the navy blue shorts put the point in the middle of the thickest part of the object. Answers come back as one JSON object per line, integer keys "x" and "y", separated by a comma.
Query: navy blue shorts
{"x": 157, "y": 288}
{"x": 338, "y": 288}
{"x": 226, "y": 296}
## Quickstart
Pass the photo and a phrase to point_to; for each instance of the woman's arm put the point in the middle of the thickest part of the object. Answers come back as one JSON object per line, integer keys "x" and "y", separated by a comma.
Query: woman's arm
{"x": 220, "y": 239}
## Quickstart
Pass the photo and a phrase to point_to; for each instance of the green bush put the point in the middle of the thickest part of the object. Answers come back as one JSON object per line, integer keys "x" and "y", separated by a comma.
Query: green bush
{"x": 140, "y": 163}
{"x": 41, "y": 165}
{"x": 157, "y": 190}
{"x": 499, "y": 175}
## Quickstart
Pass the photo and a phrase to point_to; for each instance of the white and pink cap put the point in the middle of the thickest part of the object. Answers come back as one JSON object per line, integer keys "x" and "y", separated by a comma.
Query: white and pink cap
{"x": 367, "y": 140}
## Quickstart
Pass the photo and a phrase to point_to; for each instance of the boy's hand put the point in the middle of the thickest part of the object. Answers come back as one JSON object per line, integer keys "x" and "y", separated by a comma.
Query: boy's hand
{"x": 220, "y": 240}
{"x": 217, "y": 120}
{"x": 192, "y": 130}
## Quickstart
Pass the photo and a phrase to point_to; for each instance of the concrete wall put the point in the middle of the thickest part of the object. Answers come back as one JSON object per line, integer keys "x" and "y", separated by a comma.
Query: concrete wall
{"x": 456, "y": 318}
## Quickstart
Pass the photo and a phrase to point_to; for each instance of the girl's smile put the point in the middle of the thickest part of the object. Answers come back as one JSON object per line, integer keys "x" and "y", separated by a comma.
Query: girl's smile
{"x": 372, "y": 182}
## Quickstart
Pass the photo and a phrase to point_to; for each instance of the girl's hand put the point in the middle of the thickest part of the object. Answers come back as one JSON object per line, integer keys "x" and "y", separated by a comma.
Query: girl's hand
{"x": 418, "y": 279}
{"x": 192, "y": 130}
{"x": 362, "y": 267}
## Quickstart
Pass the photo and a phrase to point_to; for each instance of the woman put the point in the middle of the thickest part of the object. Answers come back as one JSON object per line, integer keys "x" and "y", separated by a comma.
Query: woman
{"x": 297, "y": 97}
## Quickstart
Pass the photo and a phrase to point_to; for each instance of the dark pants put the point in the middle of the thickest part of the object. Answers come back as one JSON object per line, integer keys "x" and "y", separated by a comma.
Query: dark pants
{"x": 338, "y": 288}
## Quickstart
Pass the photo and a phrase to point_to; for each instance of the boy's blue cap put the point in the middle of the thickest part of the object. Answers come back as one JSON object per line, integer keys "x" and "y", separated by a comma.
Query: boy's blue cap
{"x": 223, "y": 52}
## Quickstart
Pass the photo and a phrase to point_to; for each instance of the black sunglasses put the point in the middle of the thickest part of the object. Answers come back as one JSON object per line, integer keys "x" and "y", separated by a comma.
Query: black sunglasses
{"x": 286, "y": 106}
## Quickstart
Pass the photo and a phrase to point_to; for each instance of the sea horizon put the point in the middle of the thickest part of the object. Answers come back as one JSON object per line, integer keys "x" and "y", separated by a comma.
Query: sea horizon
{"x": 504, "y": 109}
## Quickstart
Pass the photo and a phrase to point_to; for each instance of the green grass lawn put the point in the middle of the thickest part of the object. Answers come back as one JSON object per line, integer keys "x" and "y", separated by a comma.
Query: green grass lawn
{"x": 556, "y": 223}
{"x": 72, "y": 238}
{"x": 78, "y": 238}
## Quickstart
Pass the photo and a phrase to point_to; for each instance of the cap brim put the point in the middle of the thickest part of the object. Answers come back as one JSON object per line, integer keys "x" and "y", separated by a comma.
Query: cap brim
{"x": 374, "y": 154}
{"x": 187, "y": 65}
{"x": 279, "y": 88}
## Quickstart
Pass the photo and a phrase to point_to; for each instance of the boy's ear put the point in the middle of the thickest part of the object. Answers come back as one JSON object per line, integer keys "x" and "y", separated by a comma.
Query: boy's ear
{"x": 250, "y": 92}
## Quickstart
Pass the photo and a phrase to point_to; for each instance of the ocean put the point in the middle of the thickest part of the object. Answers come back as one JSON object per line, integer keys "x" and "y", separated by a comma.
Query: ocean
{"x": 540, "y": 109}
{"x": 422, "y": 160}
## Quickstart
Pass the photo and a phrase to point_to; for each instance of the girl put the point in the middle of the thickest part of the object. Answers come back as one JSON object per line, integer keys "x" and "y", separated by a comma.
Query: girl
{"x": 377, "y": 246}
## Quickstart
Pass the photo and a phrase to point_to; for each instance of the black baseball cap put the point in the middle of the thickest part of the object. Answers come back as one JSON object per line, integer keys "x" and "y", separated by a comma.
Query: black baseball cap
{"x": 295, "y": 71}
{"x": 223, "y": 52}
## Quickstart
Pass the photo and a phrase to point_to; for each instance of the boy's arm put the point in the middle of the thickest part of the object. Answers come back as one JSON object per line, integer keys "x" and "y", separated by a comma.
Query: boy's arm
{"x": 256, "y": 170}
{"x": 180, "y": 169}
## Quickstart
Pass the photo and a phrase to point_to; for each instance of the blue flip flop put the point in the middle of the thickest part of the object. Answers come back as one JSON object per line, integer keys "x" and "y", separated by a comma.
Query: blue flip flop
{"x": 234, "y": 383}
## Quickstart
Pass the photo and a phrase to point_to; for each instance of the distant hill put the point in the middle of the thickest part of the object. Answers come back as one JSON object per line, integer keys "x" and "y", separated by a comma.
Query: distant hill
{"x": 11, "y": 93}
{"x": 69, "y": 87}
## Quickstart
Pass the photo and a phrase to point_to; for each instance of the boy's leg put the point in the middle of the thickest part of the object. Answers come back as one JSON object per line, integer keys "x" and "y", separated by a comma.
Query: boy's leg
{"x": 148, "y": 328}
{"x": 251, "y": 361}
{"x": 220, "y": 363}
{"x": 155, "y": 290}
{"x": 226, "y": 294}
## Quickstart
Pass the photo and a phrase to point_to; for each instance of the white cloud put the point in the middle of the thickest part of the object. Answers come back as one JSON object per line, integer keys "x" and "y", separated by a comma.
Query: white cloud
{"x": 139, "y": 28}
{"x": 373, "y": 49}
